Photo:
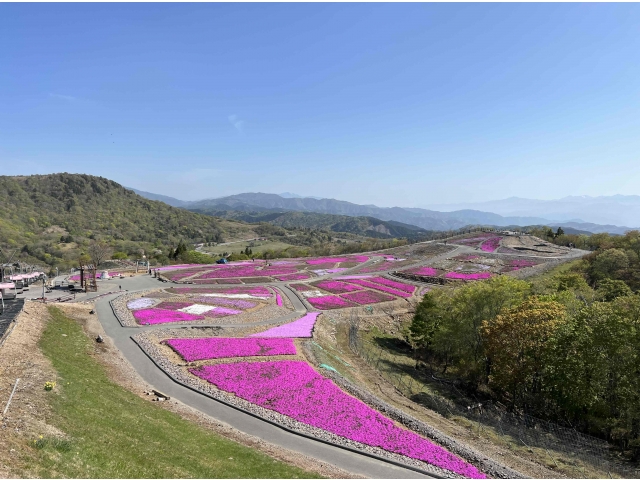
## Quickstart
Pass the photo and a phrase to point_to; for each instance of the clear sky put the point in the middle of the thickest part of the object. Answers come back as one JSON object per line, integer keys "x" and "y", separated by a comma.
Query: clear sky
{"x": 391, "y": 104}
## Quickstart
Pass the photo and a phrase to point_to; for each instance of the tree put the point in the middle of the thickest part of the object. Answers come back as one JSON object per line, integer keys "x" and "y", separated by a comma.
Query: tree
{"x": 609, "y": 290}
{"x": 559, "y": 232}
{"x": 515, "y": 343}
{"x": 99, "y": 251}
{"x": 609, "y": 262}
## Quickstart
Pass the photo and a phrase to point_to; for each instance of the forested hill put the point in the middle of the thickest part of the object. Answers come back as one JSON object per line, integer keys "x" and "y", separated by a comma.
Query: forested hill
{"x": 49, "y": 216}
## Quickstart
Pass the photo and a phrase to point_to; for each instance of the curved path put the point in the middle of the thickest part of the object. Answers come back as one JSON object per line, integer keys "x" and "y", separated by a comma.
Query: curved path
{"x": 346, "y": 460}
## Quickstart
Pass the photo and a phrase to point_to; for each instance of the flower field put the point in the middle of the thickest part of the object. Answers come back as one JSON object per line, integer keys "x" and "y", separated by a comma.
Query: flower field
{"x": 468, "y": 276}
{"x": 426, "y": 271}
{"x": 300, "y": 328}
{"x": 367, "y": 297}
{"x": 152, "y": 316}
{"x": 140, "y": 303}
{"x": 490, "y": 245}
{"x": 329, "y": 302}
{"x": 294, "y": 389}
{"x": 300, "y": 287}
{"x": 227, "y": 302}
{"x": 194, "y": 349}
{"x": 333, "y": 286}
{"x": 404, "y": 287}
{"x": 381, "y": 288}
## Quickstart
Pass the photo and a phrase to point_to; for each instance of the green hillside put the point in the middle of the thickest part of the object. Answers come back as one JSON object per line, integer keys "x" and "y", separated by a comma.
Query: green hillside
{"x": 362, "y": 226}
{"x": 51, "y": 218}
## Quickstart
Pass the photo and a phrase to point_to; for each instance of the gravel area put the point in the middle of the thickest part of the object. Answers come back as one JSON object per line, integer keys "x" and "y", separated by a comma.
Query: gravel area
{"x": 180, "y": 374}
{"x": 482, "y": 462}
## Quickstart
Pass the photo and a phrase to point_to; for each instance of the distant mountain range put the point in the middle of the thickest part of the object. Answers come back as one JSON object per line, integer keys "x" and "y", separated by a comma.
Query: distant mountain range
{"x": 605, "y": 210}
{"x": 270, "y": 204}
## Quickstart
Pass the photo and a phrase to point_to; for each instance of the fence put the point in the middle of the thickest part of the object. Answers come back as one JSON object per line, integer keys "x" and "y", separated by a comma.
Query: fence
{"x": 547, "y": 438}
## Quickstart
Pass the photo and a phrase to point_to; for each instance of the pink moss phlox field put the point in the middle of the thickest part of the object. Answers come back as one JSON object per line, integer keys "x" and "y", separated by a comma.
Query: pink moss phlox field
{"x": 221, "y": 312}
{"x": 226, "y": 302}
{"x": 294, "y": 389}
{"x": 427, "y": 271}
{"x": 152, "y": 316}
{"x": 194, "y": 349}
{"x": 491, "y": 245}
{"x": 174, "y": 305}
{"x": 300, "y": 328}
{"x": 176, "y": 267}
{"x": 380, "y": 288}
{"x": 367, "y": 297}
{"x": 333, "y": 260}
{"x": 336, "y": 287}
{"x": 278, "y": 300}
{"x": 257, "y": 291}
{"x": 301, "y": 287}
{"x": 405, "y": 287}
{"x": 329, "y": 302}
{"x": 468, "y": 276}
{"x": 293, "y": 276}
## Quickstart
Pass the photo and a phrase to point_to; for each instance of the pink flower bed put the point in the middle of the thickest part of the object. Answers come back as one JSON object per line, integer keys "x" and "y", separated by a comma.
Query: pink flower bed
{"x": 329, "y": 302}
{"x": 426, "y": 271}
{"x": 367, "y": 297}
{"x": 293, "y": 276}
{"x": 294, "y": 389}
{"x": 380, "y": 288}
{"x": 174, "y": 305}
{"x": 194, "y": 349}
{"x": 176, "y": 267}
{"x": 278, "y": 300}
{"x": 221, "y": 312}
{"x": 246, "y": 271}
{"x": 522, "y": 263}
{"x": 226, "y": 302}
{"x": 300, "y": 328}
{"x": 300, "y": 287}
{"x": 336, "y": 287}
{"x": 405, "y": 287}
{"x": 333, "y": 260}
{"x": 491, "y": 245}
{"x": 152, "y": 316}
{"x": 468, "y": 276}
{"x": 258, "y": 291}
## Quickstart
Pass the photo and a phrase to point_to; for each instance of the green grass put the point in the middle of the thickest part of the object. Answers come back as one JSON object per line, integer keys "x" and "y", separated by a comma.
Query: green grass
{"x": 112, "y": 433}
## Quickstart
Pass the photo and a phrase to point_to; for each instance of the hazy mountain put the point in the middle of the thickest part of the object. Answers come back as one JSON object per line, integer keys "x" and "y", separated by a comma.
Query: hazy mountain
{"x": 617, "y": 210}
{"x": 501, "y": 213}
{"x": 295, "y": 195}
{"x": 427, "y": 219}
{"x": 174, "y": 202}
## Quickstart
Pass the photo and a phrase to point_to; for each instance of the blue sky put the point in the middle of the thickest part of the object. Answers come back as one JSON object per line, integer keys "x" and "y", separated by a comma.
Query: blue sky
{"x": 390, "y": 104}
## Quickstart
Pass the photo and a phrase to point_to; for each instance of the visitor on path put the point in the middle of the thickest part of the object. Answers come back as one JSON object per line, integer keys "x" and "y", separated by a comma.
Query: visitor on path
{"x": 120, "y": 287}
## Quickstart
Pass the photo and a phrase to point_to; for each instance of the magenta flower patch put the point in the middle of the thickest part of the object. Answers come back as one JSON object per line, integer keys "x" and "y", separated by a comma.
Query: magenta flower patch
{"x": 226, "y": 302}
{"x": 329, "y": 302}
{"x": 293, "y": 276}
{"x": 153, "y": 316}
{"x": 426, "y": 271}
{"x": 381, "y": 288}
{"x": 300, "y": 328}
{"x": 174, "y": 305}
{"x": 490, "y": 245}
{"x": 194, "y": 349}
{"x": 221, "y": 312}
{"x": 300, "y": 287}
{"x": 367, "y": 297}
{"x": 336, "y": 287}
{"x": 294, "y": 389}
{"x": 278, "y": 300}
{"x": 405, "y": 287}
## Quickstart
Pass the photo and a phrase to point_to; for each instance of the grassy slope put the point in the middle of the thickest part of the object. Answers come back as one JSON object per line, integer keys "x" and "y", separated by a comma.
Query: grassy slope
{"x": 115, "y": 434}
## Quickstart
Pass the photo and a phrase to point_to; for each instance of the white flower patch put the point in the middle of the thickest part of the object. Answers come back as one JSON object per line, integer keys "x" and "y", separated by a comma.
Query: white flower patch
{"x": 196, "y": 309}
{"x": 313, "y": 293}
{"x": 320, "y": 272}
{"x": 140, "y": 303}
{"x": 233, "y": 295}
